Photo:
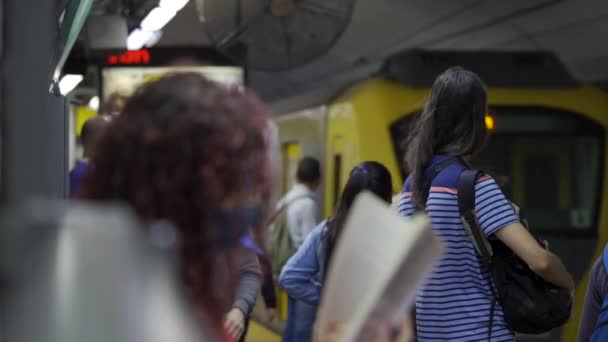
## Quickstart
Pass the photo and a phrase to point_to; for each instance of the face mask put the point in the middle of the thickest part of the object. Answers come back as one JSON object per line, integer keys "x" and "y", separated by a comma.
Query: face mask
{"x": 233, "y": 225}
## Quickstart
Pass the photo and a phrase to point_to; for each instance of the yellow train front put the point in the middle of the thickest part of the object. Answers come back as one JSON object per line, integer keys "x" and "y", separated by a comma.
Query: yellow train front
{"x": 547, "y": 147}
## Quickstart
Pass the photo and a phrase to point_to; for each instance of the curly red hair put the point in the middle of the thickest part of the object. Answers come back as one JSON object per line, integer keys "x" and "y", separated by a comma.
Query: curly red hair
{"x": 180, "y": 149}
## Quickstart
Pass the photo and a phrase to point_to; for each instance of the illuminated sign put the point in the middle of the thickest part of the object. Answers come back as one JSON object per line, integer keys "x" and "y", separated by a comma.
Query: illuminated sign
{"x": 159, "y": 57}
{"x": 122, "y": 72}
{"x": 126, "y": 79}
{"x": 139, "y": 57}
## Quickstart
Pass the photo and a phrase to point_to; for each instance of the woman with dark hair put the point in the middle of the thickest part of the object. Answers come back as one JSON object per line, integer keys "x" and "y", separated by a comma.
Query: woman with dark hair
{"x": 90, "y": 131}
{"x": 456, "y": 303}
{"x": 303, "y": 275}
{"x": 193, "y": 152}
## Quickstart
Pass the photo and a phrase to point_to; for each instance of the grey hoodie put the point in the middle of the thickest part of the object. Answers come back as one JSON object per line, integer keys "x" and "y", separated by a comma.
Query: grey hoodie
{"x": 250, "y": 282}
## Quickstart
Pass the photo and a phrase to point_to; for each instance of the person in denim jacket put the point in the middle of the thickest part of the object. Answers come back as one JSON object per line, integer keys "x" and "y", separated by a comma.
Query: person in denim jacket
{"x": 303, "y": 275}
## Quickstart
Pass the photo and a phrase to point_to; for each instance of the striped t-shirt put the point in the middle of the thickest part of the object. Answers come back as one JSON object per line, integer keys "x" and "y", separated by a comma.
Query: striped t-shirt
{"x": 454, "y": 304}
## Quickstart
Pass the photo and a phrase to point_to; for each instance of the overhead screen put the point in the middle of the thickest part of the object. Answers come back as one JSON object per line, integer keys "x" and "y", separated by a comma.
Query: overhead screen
{"x": 122, "y": 73}
{"x": 125, "y": 80}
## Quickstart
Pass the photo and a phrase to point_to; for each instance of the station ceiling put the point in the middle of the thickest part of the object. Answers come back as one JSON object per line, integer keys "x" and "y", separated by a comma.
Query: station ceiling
{"x": 575, "y": 30}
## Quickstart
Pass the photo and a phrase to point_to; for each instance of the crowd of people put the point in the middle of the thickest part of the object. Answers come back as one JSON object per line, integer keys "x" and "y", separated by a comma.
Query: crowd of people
{"x": 204, "y": 156}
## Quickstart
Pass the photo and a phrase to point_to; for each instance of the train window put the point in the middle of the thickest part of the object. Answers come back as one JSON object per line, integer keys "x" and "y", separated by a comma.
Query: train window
{"x": 400, "y": 130}
{"x": 547, "y": 161}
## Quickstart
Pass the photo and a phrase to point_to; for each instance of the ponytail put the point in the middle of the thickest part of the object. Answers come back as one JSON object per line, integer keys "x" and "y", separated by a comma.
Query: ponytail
{"x": 419, "y": 155}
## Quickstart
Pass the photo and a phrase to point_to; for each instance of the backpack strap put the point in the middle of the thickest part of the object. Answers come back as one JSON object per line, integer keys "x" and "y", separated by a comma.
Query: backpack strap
{"x": 284, "y": 207}
{"x": 466, "y": 206}
{"x": 440, "y": 167}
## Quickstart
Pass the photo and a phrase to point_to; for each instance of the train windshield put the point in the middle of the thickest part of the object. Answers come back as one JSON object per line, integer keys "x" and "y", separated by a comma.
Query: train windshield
{"x": 547, "y": 161}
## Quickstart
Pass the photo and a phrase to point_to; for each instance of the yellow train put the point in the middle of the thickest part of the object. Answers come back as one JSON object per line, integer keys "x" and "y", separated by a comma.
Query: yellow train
{"x": 547, "y": 146}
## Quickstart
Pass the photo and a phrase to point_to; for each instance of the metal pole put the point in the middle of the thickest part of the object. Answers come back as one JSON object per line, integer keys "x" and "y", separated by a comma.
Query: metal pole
{"x": 33, "y": 122}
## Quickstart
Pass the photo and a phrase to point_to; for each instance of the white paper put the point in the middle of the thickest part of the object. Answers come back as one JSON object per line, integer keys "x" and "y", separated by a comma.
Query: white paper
{"x": 379, "y": 262}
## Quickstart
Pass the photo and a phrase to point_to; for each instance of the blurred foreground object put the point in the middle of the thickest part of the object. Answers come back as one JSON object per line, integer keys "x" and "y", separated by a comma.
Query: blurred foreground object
{"x": 383, "y": 269}
{"x": 86, "y": 273}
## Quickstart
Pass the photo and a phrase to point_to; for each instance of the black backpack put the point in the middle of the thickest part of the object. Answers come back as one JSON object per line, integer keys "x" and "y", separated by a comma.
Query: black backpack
{"x": 530, "y": 304}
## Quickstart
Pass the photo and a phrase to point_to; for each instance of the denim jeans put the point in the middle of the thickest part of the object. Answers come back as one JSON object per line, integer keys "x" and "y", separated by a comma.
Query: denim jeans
{"x": 300, "y": 320}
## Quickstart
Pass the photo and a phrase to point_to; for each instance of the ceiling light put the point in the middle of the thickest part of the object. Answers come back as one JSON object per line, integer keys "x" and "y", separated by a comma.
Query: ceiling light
{"x": 174, "y": 5}
{"x": 154, "y": 38}
{"x": 69, "y": 82}
{"x": 94, "y": 103}
{"x": 157, "y": 19}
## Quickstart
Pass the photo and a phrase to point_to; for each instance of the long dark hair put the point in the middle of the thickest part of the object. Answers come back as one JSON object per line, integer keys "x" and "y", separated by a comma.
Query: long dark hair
{"x": 369, "y": 175}
{"x": 452, "y": 123}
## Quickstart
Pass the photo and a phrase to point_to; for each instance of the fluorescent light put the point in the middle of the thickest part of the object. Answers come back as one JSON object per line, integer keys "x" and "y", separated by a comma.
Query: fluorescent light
{"x": 69, "y": 82}
{"x": 94, "y": 103}
{"x": 174, "y": 5}
{"x": 157, "y": 19}
{"x": 154, "y": 38}
{"x": 138, "y": 38}
{"x": 150, "y": 32}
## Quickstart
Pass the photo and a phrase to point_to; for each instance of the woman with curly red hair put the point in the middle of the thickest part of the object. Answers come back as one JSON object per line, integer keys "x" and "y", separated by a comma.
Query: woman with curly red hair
{"x": 193, "y": 152}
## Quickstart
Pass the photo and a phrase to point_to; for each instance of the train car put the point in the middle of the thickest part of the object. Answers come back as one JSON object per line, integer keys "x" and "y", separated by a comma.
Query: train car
{"x": 547, "y": 145}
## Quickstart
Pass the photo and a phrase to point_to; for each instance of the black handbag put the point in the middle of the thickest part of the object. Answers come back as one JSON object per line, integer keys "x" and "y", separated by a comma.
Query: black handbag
{"x": 530, "y": 304}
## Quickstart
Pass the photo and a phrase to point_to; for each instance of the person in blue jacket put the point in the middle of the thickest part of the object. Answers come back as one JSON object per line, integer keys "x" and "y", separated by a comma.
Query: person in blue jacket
{"x": 303, "y": 275}
{"x": 89, "y": 134}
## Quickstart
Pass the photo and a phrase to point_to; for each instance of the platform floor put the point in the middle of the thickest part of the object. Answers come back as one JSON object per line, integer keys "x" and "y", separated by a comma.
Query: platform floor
{"x": 258, "y": 333}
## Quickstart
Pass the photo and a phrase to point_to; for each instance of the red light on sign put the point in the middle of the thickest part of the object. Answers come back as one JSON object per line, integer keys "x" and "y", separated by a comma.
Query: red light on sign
{"x": 139, "y": 57}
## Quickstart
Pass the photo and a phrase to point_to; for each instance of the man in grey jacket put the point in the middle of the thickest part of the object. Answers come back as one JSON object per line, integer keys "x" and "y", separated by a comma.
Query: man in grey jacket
{"x": 250, "y": 282}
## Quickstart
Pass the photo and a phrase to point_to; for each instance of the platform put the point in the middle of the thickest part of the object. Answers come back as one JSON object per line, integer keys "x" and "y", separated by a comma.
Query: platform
{"x": 258, "y": 333}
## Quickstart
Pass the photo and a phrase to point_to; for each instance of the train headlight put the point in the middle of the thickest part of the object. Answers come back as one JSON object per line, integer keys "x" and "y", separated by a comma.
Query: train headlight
{"x": 490, "y": 123}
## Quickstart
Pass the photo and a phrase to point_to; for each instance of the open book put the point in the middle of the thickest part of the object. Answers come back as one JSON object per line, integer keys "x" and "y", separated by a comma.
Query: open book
{"x": 379, "y": 262}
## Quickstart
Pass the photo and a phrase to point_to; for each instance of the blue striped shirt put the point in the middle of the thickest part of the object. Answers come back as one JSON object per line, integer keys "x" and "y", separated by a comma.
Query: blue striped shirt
{"x": 455, "y": 302}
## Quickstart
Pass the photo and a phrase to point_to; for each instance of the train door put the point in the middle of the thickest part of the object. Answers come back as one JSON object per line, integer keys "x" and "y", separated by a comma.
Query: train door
{"x": 341, "y": 158}
{"x": 292, "y": 153}
{"x": 335, "y": 171}
{"x": 302, "y": 134}
{"x": 342, "y": 152}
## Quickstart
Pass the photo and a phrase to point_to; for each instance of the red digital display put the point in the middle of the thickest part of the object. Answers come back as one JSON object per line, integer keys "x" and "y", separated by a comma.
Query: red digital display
{"x": 138, "y": 57}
